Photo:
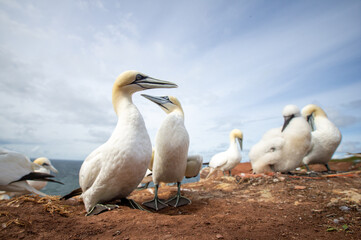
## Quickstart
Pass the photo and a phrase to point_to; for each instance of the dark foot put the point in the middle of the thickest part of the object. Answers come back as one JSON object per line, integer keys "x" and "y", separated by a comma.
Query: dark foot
{"x": 178, "y": 201}
{"x": 313, "y": 174}
{"x": 131, "y": 203}
{"x": 155, "y": 204}
{"x": 99, "y": 208}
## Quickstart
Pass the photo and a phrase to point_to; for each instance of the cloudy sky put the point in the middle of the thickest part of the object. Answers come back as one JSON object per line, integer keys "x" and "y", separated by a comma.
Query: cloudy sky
{"x": 237, "y": 64}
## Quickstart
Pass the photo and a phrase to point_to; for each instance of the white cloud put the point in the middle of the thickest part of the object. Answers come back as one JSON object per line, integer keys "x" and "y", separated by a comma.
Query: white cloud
{"x": 237, "y": 66}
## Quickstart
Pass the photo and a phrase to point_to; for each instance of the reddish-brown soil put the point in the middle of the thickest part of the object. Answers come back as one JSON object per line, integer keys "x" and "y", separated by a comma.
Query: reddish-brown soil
{"x": 247, "y": 207}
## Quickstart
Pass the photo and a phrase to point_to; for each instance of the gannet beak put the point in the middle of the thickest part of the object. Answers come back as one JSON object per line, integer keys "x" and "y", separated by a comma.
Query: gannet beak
{"x": 53, "y": 169}
{"x": 287, "y": 121}
{"x": 310, "y": 120}
{"x": 149, "y": 82}
{"x": 161, "y": 101}
{"x": 240, "y": 141}
{"x": 50, "y": 167}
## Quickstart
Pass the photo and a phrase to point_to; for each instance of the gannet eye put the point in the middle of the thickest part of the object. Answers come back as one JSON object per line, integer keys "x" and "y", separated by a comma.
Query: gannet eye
{"x": 45, "y": 164}
{"x": 139, "y": 77}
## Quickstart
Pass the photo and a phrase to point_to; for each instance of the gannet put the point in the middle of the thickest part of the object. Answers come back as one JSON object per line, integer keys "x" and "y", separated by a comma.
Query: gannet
{"x": 171, "y": 151}
{"x": 194, "y": 165}
{"x": 282, "y": 149}
{"x": 227, "y": 160}
{"x": 325, "y": 136}
{"x": 16, "y": 169}
{"x": 114, "y": 169}
{"x": 45, "y": 167}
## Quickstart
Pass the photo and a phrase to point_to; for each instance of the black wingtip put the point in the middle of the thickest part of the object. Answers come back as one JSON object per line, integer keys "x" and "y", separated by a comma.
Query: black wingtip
{"x": 75, "y": 192}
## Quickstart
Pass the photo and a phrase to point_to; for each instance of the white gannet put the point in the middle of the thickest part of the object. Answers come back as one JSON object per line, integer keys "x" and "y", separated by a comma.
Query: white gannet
{"x": 45, "y": 167}
{"x": 325, "y": 136}
{"x": 227, "y": 160}
{"x": 16, "y": 169}
{"x": 282, "y": 149}
{"x": 171, "y": 151}
{"x": 114, "y": 169}
{"x": 194, "y": 165}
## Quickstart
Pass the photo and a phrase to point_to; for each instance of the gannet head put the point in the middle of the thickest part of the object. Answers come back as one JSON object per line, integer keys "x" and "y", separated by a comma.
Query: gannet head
{"x": 310, "y": 111}
{"x": 132, "y": 81}
{"x": 167, "y": 103}
{"x": 45, "y": 163}
{"x": 289, "y": 112}
{"x": 237, "y": 134}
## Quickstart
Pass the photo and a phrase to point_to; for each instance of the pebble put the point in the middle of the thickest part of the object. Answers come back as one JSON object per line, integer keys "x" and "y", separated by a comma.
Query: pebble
{"x": 344, "y": 208}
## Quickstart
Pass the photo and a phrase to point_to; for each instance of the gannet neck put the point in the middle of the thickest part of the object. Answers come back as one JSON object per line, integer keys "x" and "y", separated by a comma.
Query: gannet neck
{"x": 313, "y": 109}
{"x": 121, "y": 100}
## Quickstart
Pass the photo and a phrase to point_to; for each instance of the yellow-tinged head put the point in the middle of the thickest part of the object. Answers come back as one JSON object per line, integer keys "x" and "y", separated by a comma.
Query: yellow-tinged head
{"x": 132, "y": 81}
{"x": 310, "y": 111}
{"x": 45, "y": 163}
{"x": 167, "y": 103}
{"x": 237, "y": 134}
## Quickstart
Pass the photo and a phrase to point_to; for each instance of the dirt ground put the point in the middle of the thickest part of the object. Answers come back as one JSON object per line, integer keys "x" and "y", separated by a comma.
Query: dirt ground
{"x": 246, "y": 206}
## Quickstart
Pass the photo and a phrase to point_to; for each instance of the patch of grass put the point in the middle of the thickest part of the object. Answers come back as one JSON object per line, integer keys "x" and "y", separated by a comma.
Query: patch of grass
{"x": 349, "y": 159}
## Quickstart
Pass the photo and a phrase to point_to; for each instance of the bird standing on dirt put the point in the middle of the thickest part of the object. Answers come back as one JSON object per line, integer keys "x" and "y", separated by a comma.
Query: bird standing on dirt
{"x": 114, "y": 170}
{"x": 325, "y": 136}
{"x": 282, "y": 149}
{"x": 171, "y": 151}
{"x": 227, "y": 160}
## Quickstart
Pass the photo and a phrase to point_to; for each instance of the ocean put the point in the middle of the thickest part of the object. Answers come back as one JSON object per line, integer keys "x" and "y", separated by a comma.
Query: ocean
{"x": 69, "y": 175}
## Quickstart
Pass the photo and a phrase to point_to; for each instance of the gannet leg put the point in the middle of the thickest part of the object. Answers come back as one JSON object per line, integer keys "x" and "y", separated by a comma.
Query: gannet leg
{"x": 178, "y": 200}
{"x": 307, "y": 167}
{"x": 155, "y": 204}
{"x": 99, "y": 208}
{"x": 328, "y": 167}
{"x": 230, "y": 174}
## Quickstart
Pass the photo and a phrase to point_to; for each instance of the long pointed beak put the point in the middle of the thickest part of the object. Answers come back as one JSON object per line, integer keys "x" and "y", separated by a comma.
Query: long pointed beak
{"x": 287, "y": 121}
{"x": 240, "y": 141}
{"x": 161, "y": 101}
{"x": 53, "y": 169}
{"x": 311, "y": 122}
{"x": 149, "y": 82}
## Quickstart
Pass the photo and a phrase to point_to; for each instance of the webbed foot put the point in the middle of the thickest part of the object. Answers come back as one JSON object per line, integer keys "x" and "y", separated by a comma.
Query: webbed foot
{"x": 155, "y": 204}
{"x": 99, "y": 208}
{"x": 178, "y": 201}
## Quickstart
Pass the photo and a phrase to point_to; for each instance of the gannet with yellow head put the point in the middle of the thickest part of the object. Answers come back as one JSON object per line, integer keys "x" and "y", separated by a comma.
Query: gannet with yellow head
{"x": 45, "y": 167}
{"x": 16, "y": 169}
{"x": 227, "y": 160}
{"x": 325, "y": 136}
{"x": 282, "y": 149}
{"x": 171, "y": 151}
{"x": 114, "y": 169}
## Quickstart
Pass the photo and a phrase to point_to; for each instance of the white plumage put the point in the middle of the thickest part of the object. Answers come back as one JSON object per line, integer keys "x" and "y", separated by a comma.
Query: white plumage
{"x": 325, "y": 136}
{"x": 114, "y": 170}
{"x": 228, "y": 159}
{"x": 14, "y": 167}
{"x": 171, "y": 146}
{"x": 282, "y": 149}
{"x": 194, "y": 165}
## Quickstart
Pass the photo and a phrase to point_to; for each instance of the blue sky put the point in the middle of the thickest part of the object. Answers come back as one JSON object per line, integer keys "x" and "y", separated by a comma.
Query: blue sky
{"x": 237, "y": 64}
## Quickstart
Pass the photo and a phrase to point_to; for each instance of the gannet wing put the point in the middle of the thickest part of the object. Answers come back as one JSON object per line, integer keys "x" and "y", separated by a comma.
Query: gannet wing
{"x": 13, "y": 166}
{"x": 90, "y": 169}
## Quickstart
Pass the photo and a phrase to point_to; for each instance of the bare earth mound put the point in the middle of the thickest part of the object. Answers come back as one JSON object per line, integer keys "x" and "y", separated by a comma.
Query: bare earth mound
{"x": 241, "y": 207}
